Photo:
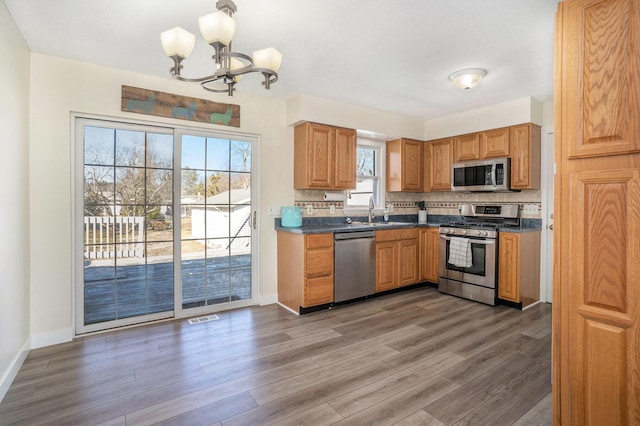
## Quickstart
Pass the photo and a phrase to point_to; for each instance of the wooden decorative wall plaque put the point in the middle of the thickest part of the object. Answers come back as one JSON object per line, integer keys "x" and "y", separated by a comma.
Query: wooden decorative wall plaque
{"x": 162, "y": 104}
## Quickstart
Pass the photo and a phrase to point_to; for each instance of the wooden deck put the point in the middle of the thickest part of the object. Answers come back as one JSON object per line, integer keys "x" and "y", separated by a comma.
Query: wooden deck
{"x": 133, "y": 290}
{"x": 412, "y": 358}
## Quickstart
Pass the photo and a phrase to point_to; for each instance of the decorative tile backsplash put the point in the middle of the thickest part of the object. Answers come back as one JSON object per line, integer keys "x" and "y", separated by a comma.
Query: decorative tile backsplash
{"x": 437, "y": 203}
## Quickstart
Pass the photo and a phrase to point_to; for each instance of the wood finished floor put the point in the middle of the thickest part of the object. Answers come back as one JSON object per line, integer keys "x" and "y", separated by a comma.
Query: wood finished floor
{"x": 412, "y": 358}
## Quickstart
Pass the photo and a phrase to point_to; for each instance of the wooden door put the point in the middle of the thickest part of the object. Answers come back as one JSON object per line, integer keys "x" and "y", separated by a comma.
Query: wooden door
{"x": 509, "y": 266}
{"x": 412, "y": 159}
{"x": 408, "y": 262}
{"x": 596, "y": 309}
{"x": 494, "y": 143}
{"x": 466, "y": 147}
{"x": 386, "y": 264}
{"x": 438, "y": 159}
{"x": 345, "y": 159}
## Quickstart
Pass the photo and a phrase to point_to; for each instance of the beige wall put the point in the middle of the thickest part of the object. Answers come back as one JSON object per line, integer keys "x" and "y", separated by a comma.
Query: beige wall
{"x": 61, "y": 87}
{"x": 14, "y": 193}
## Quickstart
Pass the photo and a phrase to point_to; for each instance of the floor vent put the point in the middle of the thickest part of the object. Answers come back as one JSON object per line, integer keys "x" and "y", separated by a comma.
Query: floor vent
{"x": 204, "y": 319}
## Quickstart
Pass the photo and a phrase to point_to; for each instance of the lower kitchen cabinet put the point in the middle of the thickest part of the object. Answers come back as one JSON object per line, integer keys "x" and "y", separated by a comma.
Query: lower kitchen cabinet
{"x": 396, "y": 258}
{"x": 429, "y": 242}
{"x": 305, "y": 270}
{"x": 519, "y": 267}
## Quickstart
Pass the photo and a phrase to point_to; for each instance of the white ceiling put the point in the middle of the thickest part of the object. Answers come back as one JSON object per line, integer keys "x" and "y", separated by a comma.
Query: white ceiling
{"x": 389, "y": 55}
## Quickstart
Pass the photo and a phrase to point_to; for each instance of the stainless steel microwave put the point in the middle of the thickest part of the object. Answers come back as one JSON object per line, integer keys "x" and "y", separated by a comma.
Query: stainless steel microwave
{"x": 481, "y": 176}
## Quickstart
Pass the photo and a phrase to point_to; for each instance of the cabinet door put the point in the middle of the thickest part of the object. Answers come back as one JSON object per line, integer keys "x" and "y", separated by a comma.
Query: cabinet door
{"x": 494, "y": 143}
{"x": 438, "y": 160}
{"x": 433, "y": 244}
{"x": 524, "y": 142}
{"x": 319, "y": 262}
{"x": 412, "y": 159}
{"x": 318, "y": 291}
{"x": 313, "y": 156}
{"x": 466, "y": 147}
{"x": 345, "y": 159}
{"x": 408, "y": 262}
{"x": 509, "y": 265}
{"x": 386, "y": 264}
{"x": 320, "y": 156}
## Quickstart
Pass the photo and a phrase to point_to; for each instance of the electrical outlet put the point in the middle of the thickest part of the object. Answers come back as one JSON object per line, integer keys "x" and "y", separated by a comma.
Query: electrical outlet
{"x": 530, "y": 209}
{"x": 274, "y": 210}
{"x": 332, "y": 209}
{"x": 390, "y": 207}
{"x": 309, "y": 209}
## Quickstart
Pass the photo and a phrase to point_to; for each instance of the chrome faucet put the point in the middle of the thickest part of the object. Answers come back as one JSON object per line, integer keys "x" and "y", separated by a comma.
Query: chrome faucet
{"x": 371, "y": 206}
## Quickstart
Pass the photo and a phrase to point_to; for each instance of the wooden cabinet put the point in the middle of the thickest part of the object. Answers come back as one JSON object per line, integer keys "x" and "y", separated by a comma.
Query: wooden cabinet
{"x": 482, "y": 145}
{"x": 596, "y": 285}
{"x": 438, "y": 157}
{"x": 429, "y": 243}
{"x": 466, "y": 147}
{"x": 324, "y": 157}
{"x": 524, "y": 144}
{"x": 305, "y": 270}
{"x": 404, "y": 165}
{"x": 519, "y": 267}
{"x": 494, "y": 143}
{"x": 396, "y": 258}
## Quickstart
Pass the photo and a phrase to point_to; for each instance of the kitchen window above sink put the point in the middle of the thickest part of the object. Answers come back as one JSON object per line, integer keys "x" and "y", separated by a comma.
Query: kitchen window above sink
{"x": 370, "y": 181}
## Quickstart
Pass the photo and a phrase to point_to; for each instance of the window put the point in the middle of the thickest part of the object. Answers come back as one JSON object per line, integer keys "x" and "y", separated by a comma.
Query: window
{"x": 369, "y": 176}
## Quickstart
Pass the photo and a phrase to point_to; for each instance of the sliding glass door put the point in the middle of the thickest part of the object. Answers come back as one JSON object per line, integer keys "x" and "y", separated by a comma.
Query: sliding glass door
{"x": 164, "y": 223}
{"x": 216, "y": 220}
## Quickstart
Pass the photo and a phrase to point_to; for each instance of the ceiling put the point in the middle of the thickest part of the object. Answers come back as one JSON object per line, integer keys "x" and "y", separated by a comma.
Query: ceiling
{"x": 392, "y": 56}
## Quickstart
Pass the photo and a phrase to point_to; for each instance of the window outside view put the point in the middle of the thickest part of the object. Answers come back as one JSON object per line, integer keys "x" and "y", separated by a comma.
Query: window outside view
{"x": 367, "y": 171}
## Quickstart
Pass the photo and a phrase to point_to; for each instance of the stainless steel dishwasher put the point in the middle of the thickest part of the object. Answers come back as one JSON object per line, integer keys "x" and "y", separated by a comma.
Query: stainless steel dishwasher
{"x": 355, "y": 265}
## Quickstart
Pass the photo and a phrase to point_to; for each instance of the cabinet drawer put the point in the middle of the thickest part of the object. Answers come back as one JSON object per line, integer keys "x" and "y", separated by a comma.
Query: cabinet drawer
{"x": 319, "y": 262}
{"x": 396, "y": 234}
{"x": 318, "y": 291}
{"x": 316, "y": 241}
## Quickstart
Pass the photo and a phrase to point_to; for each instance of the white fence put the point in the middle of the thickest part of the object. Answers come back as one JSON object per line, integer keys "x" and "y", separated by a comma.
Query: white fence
{"x": 110, "y": 236}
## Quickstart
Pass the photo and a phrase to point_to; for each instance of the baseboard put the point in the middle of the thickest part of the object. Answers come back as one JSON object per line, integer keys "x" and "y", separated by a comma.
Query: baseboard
{"x": 51, "y": 338}
{"x": 11, "y": 373}
{"x": 268, "y": 299}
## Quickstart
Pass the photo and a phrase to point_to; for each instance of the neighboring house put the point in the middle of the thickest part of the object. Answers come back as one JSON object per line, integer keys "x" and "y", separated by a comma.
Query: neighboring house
{"x": 221, "y": 216}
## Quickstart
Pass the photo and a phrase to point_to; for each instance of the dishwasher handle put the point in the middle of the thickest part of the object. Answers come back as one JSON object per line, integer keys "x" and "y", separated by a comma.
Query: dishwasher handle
{"x": 353, "y": 235}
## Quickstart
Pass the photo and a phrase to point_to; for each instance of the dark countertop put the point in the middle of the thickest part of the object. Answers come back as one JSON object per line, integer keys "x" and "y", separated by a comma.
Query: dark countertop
{"x": 329, "y": 225}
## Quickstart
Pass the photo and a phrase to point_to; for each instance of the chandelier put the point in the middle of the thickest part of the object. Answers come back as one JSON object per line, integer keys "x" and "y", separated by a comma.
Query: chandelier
{"x": 218, "y": 29}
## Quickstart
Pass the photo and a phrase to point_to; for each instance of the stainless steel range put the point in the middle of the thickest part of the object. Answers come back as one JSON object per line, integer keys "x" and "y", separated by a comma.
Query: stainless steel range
{"x": 468, "y": 251}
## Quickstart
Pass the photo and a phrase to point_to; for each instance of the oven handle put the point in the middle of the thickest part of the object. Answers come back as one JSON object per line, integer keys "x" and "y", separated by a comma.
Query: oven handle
{"x": 474, "y": 241}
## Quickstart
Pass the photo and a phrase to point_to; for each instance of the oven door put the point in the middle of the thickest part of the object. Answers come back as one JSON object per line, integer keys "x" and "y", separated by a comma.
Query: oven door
{"x": 483, "y": 268}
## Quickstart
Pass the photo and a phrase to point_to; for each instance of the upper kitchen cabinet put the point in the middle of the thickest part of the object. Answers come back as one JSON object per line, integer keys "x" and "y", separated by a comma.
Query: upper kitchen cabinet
{"x": 404, "y": 165}
{"x": 466, "y": 147}
{"x": 524, "y": 145}
{"x": 494, "y": 143}
{"x": 478, "y": 146}
{"x": 324, "y": 157}
{"x": 438, "y": 157}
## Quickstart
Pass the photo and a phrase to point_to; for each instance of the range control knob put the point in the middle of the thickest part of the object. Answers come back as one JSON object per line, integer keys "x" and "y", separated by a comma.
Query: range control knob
{"x": 463, "y": 232}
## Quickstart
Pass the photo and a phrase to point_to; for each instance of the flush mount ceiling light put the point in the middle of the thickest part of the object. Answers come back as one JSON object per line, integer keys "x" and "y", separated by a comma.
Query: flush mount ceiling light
{"x": 217, "y": 29}
{"x": 466, "y": 79}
